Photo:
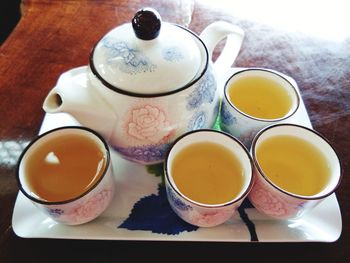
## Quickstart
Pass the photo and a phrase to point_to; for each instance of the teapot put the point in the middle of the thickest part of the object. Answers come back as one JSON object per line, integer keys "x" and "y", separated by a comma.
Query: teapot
{"x": 147, "y": 83}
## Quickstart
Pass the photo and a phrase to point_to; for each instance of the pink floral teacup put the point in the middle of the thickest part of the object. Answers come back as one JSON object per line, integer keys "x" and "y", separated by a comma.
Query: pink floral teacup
{"x": 199, "y": 213}
{"x": 286, "y": 188}
{"x": 51, "y": 190}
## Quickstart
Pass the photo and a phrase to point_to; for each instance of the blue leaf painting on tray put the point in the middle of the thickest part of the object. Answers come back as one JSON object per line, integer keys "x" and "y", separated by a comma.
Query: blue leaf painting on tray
{"x": 153, "y": 213}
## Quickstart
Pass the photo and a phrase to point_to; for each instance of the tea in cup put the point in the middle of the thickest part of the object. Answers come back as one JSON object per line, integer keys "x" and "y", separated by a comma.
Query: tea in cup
{"x": 207, "y": 175}
{"x": 66, "y": 172}
{"x": 295, "y": 169}
{"x": 255, "y": 98}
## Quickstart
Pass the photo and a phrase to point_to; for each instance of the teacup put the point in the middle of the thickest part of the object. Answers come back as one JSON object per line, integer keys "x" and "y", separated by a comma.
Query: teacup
{"x": 66, "y": 173}
{"x": 295, "y": 169}
{"x": 208, "y": 174}
{"x": 255, "y": 98}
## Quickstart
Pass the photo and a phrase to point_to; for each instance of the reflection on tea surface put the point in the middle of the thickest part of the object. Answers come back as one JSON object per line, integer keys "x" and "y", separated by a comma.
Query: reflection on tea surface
{"x": 64, "y": 168}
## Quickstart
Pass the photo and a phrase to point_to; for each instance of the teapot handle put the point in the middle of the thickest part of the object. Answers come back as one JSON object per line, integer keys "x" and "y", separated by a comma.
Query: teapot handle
{"x": 213, "y": 34}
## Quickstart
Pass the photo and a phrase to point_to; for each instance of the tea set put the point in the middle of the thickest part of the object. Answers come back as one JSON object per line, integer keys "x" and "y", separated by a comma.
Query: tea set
{"x": 149, "y": 84}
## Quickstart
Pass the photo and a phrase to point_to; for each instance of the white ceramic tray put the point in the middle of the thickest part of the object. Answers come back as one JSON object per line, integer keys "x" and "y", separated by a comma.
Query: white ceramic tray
{"x": 140, "y": 211}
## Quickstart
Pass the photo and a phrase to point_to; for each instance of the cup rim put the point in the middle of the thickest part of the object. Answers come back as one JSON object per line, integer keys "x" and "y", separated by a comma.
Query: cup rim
{"x": 257, "y": 118}
{"x": 235, "y": 200}
{"x": 43, "y": 202}
{"x": 266, "y": 179}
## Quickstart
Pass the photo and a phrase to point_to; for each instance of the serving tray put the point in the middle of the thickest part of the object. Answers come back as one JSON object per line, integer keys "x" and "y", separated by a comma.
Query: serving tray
{"x": 140, "y": 211}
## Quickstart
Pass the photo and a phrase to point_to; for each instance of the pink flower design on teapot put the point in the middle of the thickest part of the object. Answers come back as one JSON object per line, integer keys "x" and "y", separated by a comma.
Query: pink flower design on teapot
{"x": 148, "y": 123}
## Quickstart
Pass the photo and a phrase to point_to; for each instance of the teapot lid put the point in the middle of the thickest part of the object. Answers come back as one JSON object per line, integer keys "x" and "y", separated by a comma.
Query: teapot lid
{"x": 161, "y": 58}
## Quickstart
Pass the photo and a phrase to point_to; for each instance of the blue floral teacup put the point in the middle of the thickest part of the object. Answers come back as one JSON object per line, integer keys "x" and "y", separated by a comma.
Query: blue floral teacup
{"x": 207, "y": 213}
{"x": 255, "y": 98}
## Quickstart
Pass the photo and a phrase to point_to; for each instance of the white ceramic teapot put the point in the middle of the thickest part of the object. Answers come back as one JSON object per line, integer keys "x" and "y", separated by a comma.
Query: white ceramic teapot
{"x": 147, "y": 83}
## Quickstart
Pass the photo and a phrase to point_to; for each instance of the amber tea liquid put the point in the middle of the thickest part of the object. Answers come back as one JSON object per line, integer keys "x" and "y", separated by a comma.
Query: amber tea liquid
{"x": 207, "y": 173}
{"x": 64, "y": 168}
{"x": 294, "y": 164}
{"x": 260, "y": 97}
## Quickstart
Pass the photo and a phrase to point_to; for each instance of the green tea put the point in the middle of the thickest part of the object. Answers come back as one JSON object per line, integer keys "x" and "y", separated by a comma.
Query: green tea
{"x": 293, "y": 164}
{"x": 260, "y": 97}
{"x": 207, "y": 173}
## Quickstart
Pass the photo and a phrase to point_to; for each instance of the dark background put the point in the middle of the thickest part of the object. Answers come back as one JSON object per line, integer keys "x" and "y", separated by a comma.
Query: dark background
{"x": 9, "y": 17}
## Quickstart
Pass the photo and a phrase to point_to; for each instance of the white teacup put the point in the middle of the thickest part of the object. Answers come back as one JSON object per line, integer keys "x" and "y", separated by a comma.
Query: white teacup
{"x": 47, "y": 188}
{"x": 286, "y": 188}
{"x": 255, "y": 98}
{"x": 210, "y": 213}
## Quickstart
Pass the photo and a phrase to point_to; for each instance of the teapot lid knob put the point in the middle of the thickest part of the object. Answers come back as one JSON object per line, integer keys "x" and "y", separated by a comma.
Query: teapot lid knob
{"x": 146, "y": 23}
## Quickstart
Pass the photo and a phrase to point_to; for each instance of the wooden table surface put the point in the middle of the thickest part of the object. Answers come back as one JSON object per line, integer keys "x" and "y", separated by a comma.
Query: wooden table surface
{"x": 307, "y": 40}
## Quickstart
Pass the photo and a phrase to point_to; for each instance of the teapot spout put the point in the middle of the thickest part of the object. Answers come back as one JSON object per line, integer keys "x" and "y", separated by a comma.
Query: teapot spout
{"x": 73, "y": 95}
{"x": 53, "y": 102}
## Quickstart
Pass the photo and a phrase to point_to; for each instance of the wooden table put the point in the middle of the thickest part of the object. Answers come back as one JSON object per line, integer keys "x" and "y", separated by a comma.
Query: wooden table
{"x": 309, "y": 41}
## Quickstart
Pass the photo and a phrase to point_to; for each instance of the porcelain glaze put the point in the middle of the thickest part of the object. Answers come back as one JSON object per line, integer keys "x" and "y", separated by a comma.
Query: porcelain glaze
{"x": 243, "y": 126}
{"x": 141, "y": 125}
{"x": 89, "y": 204}
{"x": 199, "y": 214}
{"x": 276, "y": 202}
